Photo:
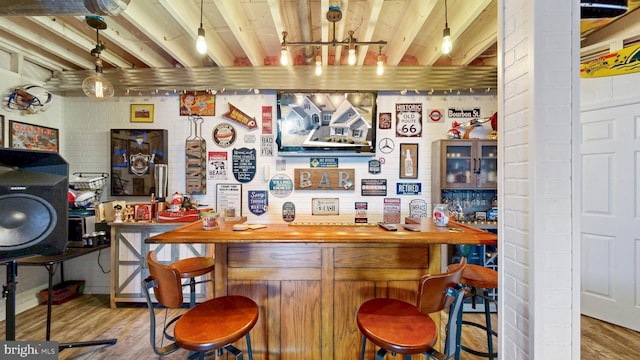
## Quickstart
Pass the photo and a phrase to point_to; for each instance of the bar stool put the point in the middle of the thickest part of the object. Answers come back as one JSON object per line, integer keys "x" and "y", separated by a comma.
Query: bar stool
{"x": 190, "y": 268}
{"x": 208, "y": 327}
{"x": 400, "y": 327}
{"x": 479, "y": 280}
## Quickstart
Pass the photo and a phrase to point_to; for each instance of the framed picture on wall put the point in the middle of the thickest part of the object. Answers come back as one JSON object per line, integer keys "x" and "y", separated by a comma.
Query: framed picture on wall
{"x": 32, "y": 137}
{"x": 408, "y": 161}
{"x": 1, "y": 130}
{"x": 134, "y": 155}
{"x": 142, "y": 113}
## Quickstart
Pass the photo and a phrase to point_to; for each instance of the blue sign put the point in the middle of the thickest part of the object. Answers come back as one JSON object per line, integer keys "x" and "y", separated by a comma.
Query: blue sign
{"x": 323, "y": 163}
{"x": 281, "y": 186}
{"x": 408, "y": 188}
{"x": 258, "y": 201}
{"x": 244, "y": 164}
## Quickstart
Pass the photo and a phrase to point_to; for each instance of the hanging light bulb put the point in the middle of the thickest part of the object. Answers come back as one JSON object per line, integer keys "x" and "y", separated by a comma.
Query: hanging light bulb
{"x": 380, "y": 63}
{"x": 201, "y": 43}
{"x": 284, "y": 55}
{"x": 351, "y": 59}
{"x": 284, "y": 50}
{"x": 96, "y": 86}
{"x": 447, "y": 44}
{"x": 318, "y": 65}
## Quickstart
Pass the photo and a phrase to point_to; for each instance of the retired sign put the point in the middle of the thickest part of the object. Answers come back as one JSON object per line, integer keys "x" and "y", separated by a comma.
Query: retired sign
{"x": 235, "y": 114}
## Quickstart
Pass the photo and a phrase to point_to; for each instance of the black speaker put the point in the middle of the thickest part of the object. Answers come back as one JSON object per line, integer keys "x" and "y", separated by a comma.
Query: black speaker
{"x": 34, "y": 187}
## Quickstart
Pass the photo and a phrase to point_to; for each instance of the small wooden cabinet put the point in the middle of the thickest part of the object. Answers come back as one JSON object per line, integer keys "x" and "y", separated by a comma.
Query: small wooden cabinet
{"x": 465, "y": 164}
{"x": 128, "y": 259}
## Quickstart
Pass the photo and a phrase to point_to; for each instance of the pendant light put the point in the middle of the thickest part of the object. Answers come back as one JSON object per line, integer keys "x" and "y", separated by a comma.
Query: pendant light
{"x": 447, "y": 45}
{"x": 380, "y": 62}
{"x": 201, "y": 43}
{"x": 96, "y": 86}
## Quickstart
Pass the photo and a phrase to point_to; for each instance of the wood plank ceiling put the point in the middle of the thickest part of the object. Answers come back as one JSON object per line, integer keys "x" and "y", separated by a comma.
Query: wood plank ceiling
{"x": 150, "y": 44}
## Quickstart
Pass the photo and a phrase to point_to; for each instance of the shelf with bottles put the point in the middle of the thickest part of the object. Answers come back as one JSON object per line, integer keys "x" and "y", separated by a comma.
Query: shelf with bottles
{"x": 475, "y": 207}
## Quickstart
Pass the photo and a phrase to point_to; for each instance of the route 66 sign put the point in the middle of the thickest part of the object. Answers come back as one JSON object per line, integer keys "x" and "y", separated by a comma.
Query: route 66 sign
{"x": 409, "y": 120}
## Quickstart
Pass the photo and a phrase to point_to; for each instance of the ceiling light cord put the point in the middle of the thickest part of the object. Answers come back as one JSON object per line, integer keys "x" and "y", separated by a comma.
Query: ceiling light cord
{"x": 447, "y": 44}
{"x": 201, "y": 42}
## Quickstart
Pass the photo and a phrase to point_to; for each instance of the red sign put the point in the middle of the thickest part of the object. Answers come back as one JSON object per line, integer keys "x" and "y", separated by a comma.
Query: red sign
{"x": 267, "y": 117}
{"x": 435, "y": 115}
{"x": 235, "y": 114}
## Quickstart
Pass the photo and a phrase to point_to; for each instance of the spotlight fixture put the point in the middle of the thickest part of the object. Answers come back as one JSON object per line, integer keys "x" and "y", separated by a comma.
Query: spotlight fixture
{"x": 201, "y": 43}
{"x": 351, "y": 43}
{"x": 447, "y": 45}
{"x": 96, "y": 86}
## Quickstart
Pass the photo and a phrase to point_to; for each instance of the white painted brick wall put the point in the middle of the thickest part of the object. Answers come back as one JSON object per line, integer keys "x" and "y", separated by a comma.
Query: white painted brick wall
{"x": 538, "y": 110}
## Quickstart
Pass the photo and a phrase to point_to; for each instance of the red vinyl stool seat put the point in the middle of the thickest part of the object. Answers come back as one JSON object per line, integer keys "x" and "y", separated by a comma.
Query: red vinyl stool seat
{"x": 190, "y": 268}
{"x": 478, "y": 280}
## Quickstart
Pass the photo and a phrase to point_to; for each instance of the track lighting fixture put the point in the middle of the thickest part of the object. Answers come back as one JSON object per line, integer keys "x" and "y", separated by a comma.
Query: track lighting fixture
{"x": 333, "y": 15}
{"x": 96, "y": 86}
{"x": 201, "y": 43}
{"x": 447, "y": 45}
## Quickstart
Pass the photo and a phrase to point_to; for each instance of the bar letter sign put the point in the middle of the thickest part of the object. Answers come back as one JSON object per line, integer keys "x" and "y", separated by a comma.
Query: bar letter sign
{"x": 324, "y": 179}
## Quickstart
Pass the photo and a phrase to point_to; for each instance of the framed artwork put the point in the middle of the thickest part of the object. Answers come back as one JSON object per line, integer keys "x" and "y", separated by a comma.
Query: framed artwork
{"x": 197, "y": 103}
{"x": 408, "y": 161}
{"x": 32, "y": 137}
{"x": 1, "y": 130}
{"x": 141, "y": 113}
{"x": 134, "y": 155}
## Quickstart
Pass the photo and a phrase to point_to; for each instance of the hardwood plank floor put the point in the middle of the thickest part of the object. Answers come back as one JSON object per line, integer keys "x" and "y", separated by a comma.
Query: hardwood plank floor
{"x": 90, "y": 318}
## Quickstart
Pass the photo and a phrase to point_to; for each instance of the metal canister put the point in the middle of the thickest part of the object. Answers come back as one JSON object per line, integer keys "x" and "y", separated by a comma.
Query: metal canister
{"x": 102, "y": 237}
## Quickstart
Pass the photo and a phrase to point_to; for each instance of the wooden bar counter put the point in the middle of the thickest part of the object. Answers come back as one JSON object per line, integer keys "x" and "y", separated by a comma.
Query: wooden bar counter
{"x": 309, "y": 280}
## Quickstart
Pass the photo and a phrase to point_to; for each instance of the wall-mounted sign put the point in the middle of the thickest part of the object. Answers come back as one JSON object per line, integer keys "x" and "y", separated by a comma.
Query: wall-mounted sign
{"x": 244, "y": 164}
{"x": 281, "y": 186}
{"x": 324, "y": 179}
{"x": 217, "y": 161}
{"x": 266, "y": 145}
{"x": 386, "y": 145}
{"x": 288, "y": 211}
{"x": 457, "y": 113}
{"x": 224, "y": 135}
{"x": 361, "y": 212}
{"x": 325, "y": 206}
{"x": 374, "y": 166}
{"x": 384, "y": 121}
{"x": 435, "y": 115}
{"x": 373, "y": 187}
{"x": 258, "y": 201}
{"x": 408, "y": 161}
{"x": 323, "y": 162}
{"x": 267, "y": 123}
{"x": 408, "y": 120}
{"x": 408, "y": 188}
{"x": 236, "y": 115}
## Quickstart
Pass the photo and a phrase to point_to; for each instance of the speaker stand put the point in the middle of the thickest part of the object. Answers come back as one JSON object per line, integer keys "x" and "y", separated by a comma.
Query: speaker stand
{"x": 9, "y": 292}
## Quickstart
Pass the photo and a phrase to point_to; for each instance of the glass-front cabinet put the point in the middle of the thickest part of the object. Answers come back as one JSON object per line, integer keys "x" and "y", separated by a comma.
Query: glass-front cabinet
{"x": 466, "y": 164}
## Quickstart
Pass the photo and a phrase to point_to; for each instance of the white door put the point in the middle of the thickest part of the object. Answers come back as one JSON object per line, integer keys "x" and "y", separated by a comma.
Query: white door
{"x": 610, "y": 214}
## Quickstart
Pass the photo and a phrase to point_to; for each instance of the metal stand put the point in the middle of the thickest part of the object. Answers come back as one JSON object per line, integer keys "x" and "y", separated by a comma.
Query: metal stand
{"x": 48, "y": 262}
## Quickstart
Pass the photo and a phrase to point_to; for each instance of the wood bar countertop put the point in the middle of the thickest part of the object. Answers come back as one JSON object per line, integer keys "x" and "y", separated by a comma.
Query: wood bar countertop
{"x": 310, "y": 279}
{"x": 454, "y": 233}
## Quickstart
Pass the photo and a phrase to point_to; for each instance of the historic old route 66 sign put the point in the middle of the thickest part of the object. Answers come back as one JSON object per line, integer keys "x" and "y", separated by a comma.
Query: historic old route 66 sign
{"x": 409, "y": 120}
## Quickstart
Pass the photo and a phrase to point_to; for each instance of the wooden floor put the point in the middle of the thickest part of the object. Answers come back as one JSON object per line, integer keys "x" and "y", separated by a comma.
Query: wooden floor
{"x": 89, "y": 318}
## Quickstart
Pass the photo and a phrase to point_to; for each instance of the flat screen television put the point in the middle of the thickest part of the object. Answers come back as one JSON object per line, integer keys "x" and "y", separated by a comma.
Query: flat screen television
{"x": 326, "y": 123}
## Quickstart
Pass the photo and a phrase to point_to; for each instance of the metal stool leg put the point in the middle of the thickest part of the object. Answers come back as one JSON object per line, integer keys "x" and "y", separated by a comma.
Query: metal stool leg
{"x": 364, "y": 346}
{"x": 487, "y": 327}
{"x": 192, "y": 295}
